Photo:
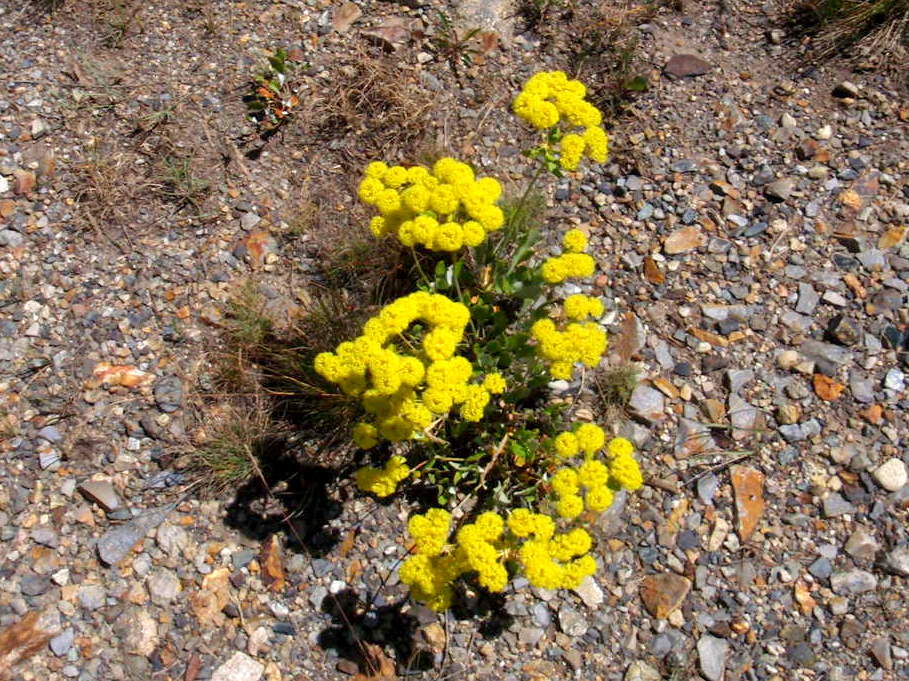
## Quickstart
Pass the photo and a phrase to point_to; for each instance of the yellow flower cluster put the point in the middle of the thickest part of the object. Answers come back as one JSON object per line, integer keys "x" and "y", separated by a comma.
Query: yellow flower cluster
{"x": 572, "y": 263}
{"x": 550, "y": 98}
{"x": 580, "y": 341}
{"x": 405, "y": 393}
{"x": 383, "y": 481}
{"x": 442, "y": 209}
{"x": 435, "y": 565}
{"x": 597, "y": 479}
{"x": 623, "y": 468}
{"x": 583, "y": 342}
{"x": 579, "y": 307}
{"x": 549, "y": 561}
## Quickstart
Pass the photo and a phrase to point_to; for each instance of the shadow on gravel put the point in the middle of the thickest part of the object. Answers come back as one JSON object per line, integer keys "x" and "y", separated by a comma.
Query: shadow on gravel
{"x": 359, "y": 632}
{"x": 289, "y": 498}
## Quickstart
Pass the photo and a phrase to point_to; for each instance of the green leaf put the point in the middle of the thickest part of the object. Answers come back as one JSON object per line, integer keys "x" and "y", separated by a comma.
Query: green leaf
{"x": 637, "y": 84}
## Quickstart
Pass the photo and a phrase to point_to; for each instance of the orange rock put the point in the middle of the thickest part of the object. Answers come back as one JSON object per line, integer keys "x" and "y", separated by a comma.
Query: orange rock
{"x": 7, "y": 208}
{"x": 663, "y": 594}
{"x": 683, "y": 240}
{"x": 25, "y": 637}
{"x": 856, "y": 286}
{"x": 892, "y": 237}
{"x": 665, "y": 387}
{"x": 827, "y": 388}
{"x": 120, "y": 374}
{"x": 709, "y": 337}
{"x": 748, "y": 486}
{"x": 652, "y": 272}
{"x": 208, "y": 602}
{"x": 874, "y": 414}
{"x": 23, "y": 182}
{"x": 851, "y": 199}
{"x": 273, "y": 567}
{"x": 803, "y": 598}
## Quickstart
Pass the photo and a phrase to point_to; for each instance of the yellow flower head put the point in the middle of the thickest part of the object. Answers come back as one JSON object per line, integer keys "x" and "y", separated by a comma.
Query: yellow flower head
{"x": 574, "y": 241}
{"x": 566, "y": 445}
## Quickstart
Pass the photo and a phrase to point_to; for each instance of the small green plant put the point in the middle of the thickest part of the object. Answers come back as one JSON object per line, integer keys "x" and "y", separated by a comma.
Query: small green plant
{"x": 449, "y": 383}
{"x": 458, "y": 48}
{"x": 616, "y": 384}
{"x": 180, "y": 184}
{"x": 273, "y": 101}
{"x": 233, "y": 455}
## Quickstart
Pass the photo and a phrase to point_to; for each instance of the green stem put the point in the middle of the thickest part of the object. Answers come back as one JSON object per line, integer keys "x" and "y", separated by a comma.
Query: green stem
{"x": 510, "y": 236}
{"x": 416, "y": 261}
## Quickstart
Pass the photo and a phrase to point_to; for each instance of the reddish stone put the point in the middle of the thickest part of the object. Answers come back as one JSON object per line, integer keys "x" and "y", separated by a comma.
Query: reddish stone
{"x": 663, "y": 594}
{"x": 748, "y": 485}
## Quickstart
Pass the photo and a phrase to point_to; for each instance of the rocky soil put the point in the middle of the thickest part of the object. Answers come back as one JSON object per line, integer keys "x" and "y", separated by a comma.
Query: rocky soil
{"x": 750, "y": 233}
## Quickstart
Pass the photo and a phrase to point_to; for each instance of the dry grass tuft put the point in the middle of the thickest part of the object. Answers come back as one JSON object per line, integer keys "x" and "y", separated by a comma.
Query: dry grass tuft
{"x": 876, "y": 29}
{"x": 615, "y": 384}
{"x": 107, "y": 188}
{"x": 245, "y": 434}
{"x": 376, "y": 105}
{"x": 605, "y": 52}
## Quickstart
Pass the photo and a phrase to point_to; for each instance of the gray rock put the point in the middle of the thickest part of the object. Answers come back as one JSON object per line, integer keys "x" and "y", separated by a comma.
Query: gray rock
{"x": 572, "y": 622}
{"x": 317, "y": 596}
{"x": 835, "y": 505}
{"x": 92, "y": 596}
{"x": 240, "y": 667}
{"x": 541, "y": 615}
{"x": 861, "y": 387}
{"x": 852, "y": 582}
{"x": 163, "y": 586}
{"x": 898, "y": 561}
{"x": 712, "y": 653}
{"x": 742, "y": 416}
{"x": 779, "y": 190}
{"x": 792, "y": 432}
{"x": 737, "y": 379}
{"x": 820, "y": 351}
{"x": 34, "y": 585}
{"x": 102, "y": 493}
{"x": 172, "y": 539}
{"x": 861, "y": 544}
{"x": 249, "y": 220}
{"x": 117, "y": 542}
{"x": 169, "y": 393}
{"x": 880, "y": 648}
{"x": 46, "y": 537}
{"x": 822, "y": 568}
{"x": 808, "y": 299}
{"x": 61, "y": 643}
{"x": 647, "y": 403}
{"x": 707, "y": 488}
{"x": 50, "y": 433}
{"x": 11, "y": 239}
{"x": 496, "y": 16}
{"x": 872, "y": 259}
{"x": 895, "y": 380}
{"x": 530, "y": 636}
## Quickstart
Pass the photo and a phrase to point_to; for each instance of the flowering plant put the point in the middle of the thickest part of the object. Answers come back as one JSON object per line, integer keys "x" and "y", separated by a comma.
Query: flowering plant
{"x": 452, "y": 379}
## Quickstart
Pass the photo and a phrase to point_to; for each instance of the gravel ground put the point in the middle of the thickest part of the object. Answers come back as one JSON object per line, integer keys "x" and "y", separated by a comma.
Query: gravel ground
{"x": 749, "y": 229}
